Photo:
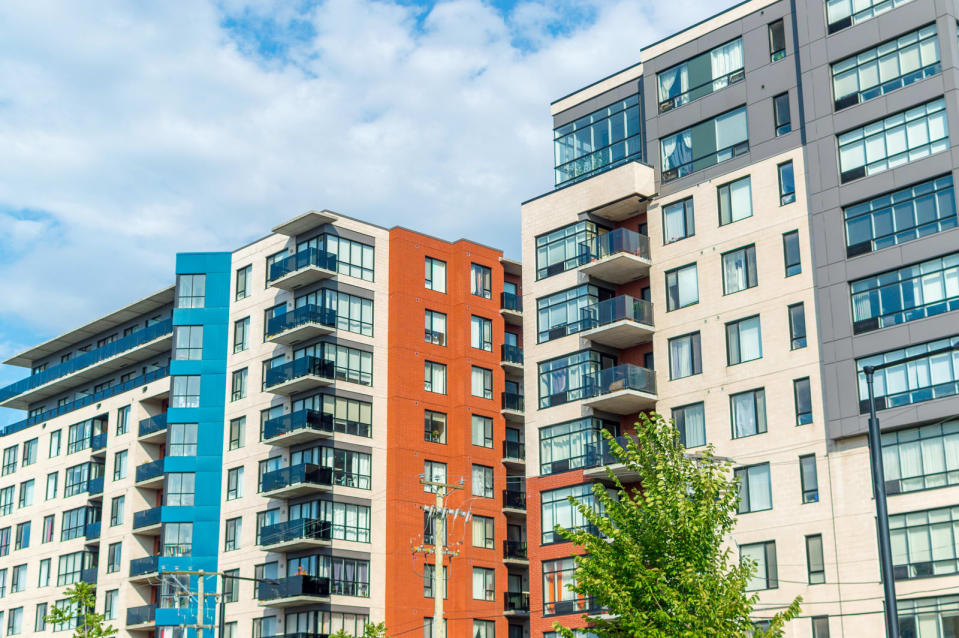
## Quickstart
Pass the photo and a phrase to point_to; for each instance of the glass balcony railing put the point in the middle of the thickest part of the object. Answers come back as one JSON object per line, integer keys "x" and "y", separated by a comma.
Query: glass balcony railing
{"x": 514, "y": 450}
{"x": 293, "y": 586}
{"x": 89, "y": 575}
{"x": 87, "y": 359}
{"x": 511, "y": 354}
{"x": 597, "y": 453}
{"x": 513, "y": 401}
{"x": 621, "y": 240}
{"x": 516, "y": 601}
{"x": 622, "y": 308}
{"x": 297, "y": 421}
{"x": 301, "y": 260}
{"x": 98, "y": 442}
{"x": 299, "y": 529}
{"x": 153, "y": 424}
{"x": 510, "y": 301}
{"x": 514, "y": 499}
{"x": 146, "y": 518}
{"x": 300, "y": 316}
{"x": 95, "y": 486}
{"x": 304, "y": 473}
{"x": 622, "y": 377}
{"x": 304, "y": 366}
{"x": 92, "y": 531}
{"x": 141, "y": 615}
{"x": 150, "y": 470}
{"x": 145, "y": 565}
{"x": 515, "y": 549}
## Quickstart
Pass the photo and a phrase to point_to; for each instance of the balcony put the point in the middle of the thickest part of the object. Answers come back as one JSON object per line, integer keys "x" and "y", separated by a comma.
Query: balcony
{"x": 299, "y": 375}
{"x": 516, "y": 603}
{"x": 615, "y": 194}
{"x": 617, "y": 257}
{"x": 89, "y": 575}
{"x": 298, "y": 427}
{"x": 293, "y": 591}
{"x": 141, "y": 617}
{"x": 95, "y": 487}
{"x": 599, "y": 457}
{"x": 514, "y": 502}
{"x": 300, "y": 324}
{"x": 98, "y": 444}
{"x": 297, "y": 480}
{"x": 622, "y": 389}
{"x": 512, "y": 406}
{"x": 511, "y": 307}
{"x": 514, "y": 454}
{"x": 92, "y": 531}
{"x": 305, "y": 267}
{"x": 511, "y": 359}
{"x": 300, "y": 534}
{"x": 621, "y": 322}
{"x": 147, "y": 522}
{"x": 144, "y": 569}
{"x": 85, "y": 367}
{"x": 150, "y": 475}
{"x": 514, "y": 553}
{"x": 153, "y": 429}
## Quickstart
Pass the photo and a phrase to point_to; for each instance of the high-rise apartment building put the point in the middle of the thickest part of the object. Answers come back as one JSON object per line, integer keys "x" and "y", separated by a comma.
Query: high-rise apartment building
{"x": 270, "y": 417}
{"x": 740, "y": 223}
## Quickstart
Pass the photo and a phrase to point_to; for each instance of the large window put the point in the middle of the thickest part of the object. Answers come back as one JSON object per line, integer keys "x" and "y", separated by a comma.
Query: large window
{"x": 843, "y": 13}
{"x": 682, "y": 287}
{"x": 739, "y": 269}
{"x": 900, "y": 216}
{"x": 352, "y": 257}
{"x": 691, "y": 423}
{"x": 910, "y": 293}
{"x": 921, "y": 458}
{"x": 183, "y": 439}
{"x": 179, "y": 488}
{"x": 925, "y": 543}
{"x": 435, "y": 327}
{"x": 558, "y": 597}
{"x": 766, "y": 575}
{"x": 564, "y": 248}
{"x": 598, "y": 141}
{"x": 481, "y": 382}
{"x": 349, "y": 364}
{"x": 701, "y": 75}
{"x": 924, "y": 617}
{"x": 70, "y": 566}
{"x": 931, "y": 377}
{"x": 435, "y": 275}
{"x": 887, "y": 67}
{"x": 562, "y": 313}
{"x": 484, "y": 583}
{"x": 735, "y": 200}
{"x": 748, "y": 413}
{"x": 185, "y": 392}
{"x": 704, "y": 144}
{"x": 755, "y": 490}
{"x": 353, "y": 313}
{"x": 190, "y": 291}
{"x": 350, "y": 416}
{"x": 572, "y": 445}
{"x": 481, "y": 333}
{"x": 894, "y": 141}
{"x": 685, "y": 356}
{"x": 557, "y": 510}
{"x": 743, "y": 340}
{"x": 435, "y": 377}
{"x": 569, "y": 378}
{"x": 678, "y": 220}
{"x": 188, "y": 343}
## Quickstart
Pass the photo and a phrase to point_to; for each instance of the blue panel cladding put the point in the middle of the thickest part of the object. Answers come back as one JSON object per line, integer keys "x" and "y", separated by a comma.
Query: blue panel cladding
{"x": 209, "y": 417}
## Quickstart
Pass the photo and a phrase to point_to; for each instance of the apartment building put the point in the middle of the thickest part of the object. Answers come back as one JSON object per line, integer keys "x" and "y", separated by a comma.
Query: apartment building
{"x": 262, "y": 421}
{"x": 739, "y": 224}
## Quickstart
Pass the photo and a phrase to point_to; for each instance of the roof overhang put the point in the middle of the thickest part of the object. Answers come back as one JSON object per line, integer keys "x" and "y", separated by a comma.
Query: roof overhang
{"x": 305, "y": 223}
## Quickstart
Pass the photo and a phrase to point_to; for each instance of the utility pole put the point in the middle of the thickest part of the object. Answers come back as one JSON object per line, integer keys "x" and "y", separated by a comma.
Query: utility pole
{"x": 439, "y": 513}
{"x": 201, "y": 596}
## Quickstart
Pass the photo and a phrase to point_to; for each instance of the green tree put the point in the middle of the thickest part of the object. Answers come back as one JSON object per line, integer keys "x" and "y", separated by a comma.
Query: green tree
{"x": 657, "y": 560}
{"x": 369, "y": 631}
{"x": 81, "y": 601}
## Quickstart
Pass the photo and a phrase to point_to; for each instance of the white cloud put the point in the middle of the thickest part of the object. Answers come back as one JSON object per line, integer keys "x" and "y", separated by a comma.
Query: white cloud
{"x": 143, "y": 129}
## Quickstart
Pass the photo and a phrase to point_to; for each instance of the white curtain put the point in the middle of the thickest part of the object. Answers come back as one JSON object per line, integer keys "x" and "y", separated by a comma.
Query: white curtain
{"x": 680, "y": 358}
{"x": 744, "y": 415}
{"x": 725, "y": 60}
{"x": 750, "y": 340}
{"x": 740, "y": 200}
{"x": 674, "y": 82}
{"x": 734, "y": 271}
{"x": 677, "y": 150}
{"x": 688, "y": 286}
{"x": 695, "y": 422}
{"x": 760, "y": 495}
{"x": 674, "y": 219}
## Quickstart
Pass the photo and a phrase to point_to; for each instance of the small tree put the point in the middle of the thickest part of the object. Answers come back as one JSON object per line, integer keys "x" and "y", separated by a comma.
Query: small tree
{"x": 369, "y": 631}
{"x": 657, "y": 561}
{"x": 81, "y": 601}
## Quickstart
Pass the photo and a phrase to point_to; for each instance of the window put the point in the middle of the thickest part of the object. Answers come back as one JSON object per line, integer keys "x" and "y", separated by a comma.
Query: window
{"x": 920, "y": 380}
{"x": 30, "y": 452}
{"x": 748, "y": 413}
{"x": 735, "y": 201}
{"x": 682, "y": 287}
{"x": 685, "y": 356}
{"x": 188, "y": 343}
{"x": 481, "y": 333}
{"x": 237, "y": 432}
{"x": 435, "y": 377}
{"x": 900, "y": 216}
{"x": 110, "y": 604}
{"x": 482, "y": 427}
{"x": 40, "y": 617}
{"x": 481, "y": 383}
{"x": 910, "y": 293}
{"x": 481, "y": 281}
{"x": 349, "y": 364}
{"x": 743, "y": 340}
{"x": 787, "y": 183}
{"x": 484, "y": 584}
{"x": 739, "y": 269}
{"x": 350, "y": 416}
{"x": 231, "y": 581}
{"x": 429, "y": 526}
{"x": 70, "y": 566}
{"x": 777, "y": 40}
{"x": 701, "y": 75}
{"x": 9, "y": 460}
{"x": 18, "y": 579}
{"x": 435, "y": 327}
{"x": 598, "y": 141}
{"x": 113, "y": 557}
{"x": 277, "y": 266}
{"x": 704, "y": 144}
{"x": 921, "y": 458}
{"x": 433, "y": 472}
{"x": 557, "y": 510}
{"x": 73, "y": 523}
{"x": 244, "y": 276}
{"x": 678, "y": 220}
{"x": 843, "y": 13}
{"x": 797, "y": 326}
{"x": 820, "y": 626}
{"x": 434, "y": 426}
{"x": 791, "y": 253}
{"x": 116, "y": 510}
{"x": 815, "y": 562}
{"x": 241, "y": 334}
{"x": 54, "y": 444}
{"x": 691, "y": 423}
{"x": 571, "y": 377}
{"x": 179, "y": 488}
{"x": 352, "y": 257}
{"x": 763, "y": 555}
{"x": 23, "y": 536}
{"x": 755, "y": 491}
{"x": 564, "y": 248}
{"x": 120, "y": 465}
{"x": 15, "y": 621}
{"x": 183, "y": 439}
{"x": 923, "y": 543}
{"x": 48, "y": 523}
{"x": 896, "y": 140}
{"x": 559, "y": 577}
{"x": 781, "y": 114}
{"x": 482, "y": 481}
{"x": 428, "y": 576}
{"x": 234, "y": 483}
{"x": 231, "y": 538}
{"x": 563, "y": 313}
{"x": 190, "y": 291}
{"x": 435, "y": 275}
{"x": 185, "y": 392}
{"x": 6, "y": 501}
{"x": 483, "y": 532}
{"x": 887, "y": 67}
{"x": 238, "y": 385}
{"x": 43, "y": 579}
{"x": 177, "y": 539}
{"x": 26, "y": 493}
{"x": 803, "y": 401}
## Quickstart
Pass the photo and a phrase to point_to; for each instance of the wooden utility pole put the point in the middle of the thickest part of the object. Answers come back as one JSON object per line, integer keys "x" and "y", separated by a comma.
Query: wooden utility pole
{"x": 201, "y": 596}
{"x": 438, "y": 516}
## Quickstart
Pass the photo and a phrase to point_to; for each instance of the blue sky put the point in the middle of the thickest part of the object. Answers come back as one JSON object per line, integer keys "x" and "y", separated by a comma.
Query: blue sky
{"x": 144, "y": 129}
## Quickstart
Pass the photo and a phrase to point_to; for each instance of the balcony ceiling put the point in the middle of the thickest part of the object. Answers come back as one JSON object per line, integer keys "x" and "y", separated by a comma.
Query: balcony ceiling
{"x": 305, "y": 223}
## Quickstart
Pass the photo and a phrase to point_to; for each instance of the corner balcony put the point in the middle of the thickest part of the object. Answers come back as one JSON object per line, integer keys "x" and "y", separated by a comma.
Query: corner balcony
{"x": 599, "y": 458}
{"x": 296, "y": 535}
{"x": 514, "y": 553}
{"x": 617, "y": 257}
{"x": 150, "y": 475}
{"x": 89, "y": 575}
{"x": 153, "y": 429}
{"x": 514, "y": 454}
{"x": 300, "y": 324}
{"x": 92, "y": 532}
{"x": 511, "y": 307}
{"x": 516, "y": 603}
{"x": 512, "y": 406}
{"x": 299, "y": 375}
{"x": 88, "y": 366}
{"x": 98, "y": 444}
{"x": 302, "y": 269}
{"x": 293, "y": 591}
{"x": 147, "y": 522}
{"x": 144, "y": 569}
{"x": 514, "y": 503}
{"x": 298, "y": 427}
{"x": 298, "y": 480}
{"x": 95, "y": 487}
{"x": 142, "y": 617}
{"x": 511, "y": 360}
{"x": 621, "y": 322}
{"x": 615, "y": 194}
{"x": 623, "y": 389}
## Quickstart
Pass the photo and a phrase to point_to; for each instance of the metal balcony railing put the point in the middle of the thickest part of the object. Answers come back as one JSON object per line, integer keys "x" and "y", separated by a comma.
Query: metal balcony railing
{"x": 514, "y": 499}
{"x": 511, "y": 354}
{"x": 299, "y": 316}
{"x": 622, "y": 377}
{"x": 516, "y": 601}
{"x": 515, "y": 549}
{"x": 513, "y": 401}
{"x": 621, "y": 240}
{"x": 511, "y": 301}
{"x": 514, "y": 450}
{"x": 302, "y": 259}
